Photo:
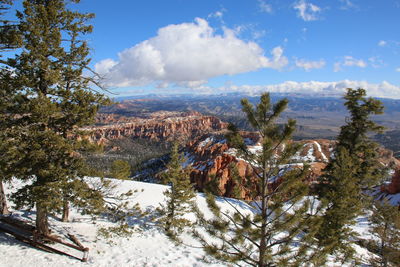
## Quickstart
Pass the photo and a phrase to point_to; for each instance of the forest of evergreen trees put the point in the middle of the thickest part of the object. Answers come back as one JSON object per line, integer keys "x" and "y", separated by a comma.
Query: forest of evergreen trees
{"x": 46, "y": 95}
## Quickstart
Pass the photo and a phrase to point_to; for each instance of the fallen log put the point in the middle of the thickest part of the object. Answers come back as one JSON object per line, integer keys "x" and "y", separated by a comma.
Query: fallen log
{"x": 34, "y": 238}
{"x": 22, "y": 225}
{"x": 75, "y": 240}
{"x": 55, "y": 239}
{"x": 36, "y": 244}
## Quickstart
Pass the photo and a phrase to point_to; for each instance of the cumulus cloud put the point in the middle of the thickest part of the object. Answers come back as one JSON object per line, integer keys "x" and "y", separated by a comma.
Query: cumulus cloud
{"x": 349, "y": 61}
{"x": 307, "y": 11}
{"x": 264, "y": 7}
{"x": 308, "y": 65}
{"x": 105, "y": 65}
{"x": 278, "y": 59}
{"x": 315, "y": 88}
{"x": 187, "y": 53}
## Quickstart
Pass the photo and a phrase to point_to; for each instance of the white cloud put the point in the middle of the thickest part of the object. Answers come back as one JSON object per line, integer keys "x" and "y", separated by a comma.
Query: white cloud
{"x": 337, "y": 67}
{"x": 308, "y": 65}
{"x": 398, "y": 69}
{"x": 349, "y": 61}
{"x": 264, "y": 7}
{"x": 188, "y": 53}
{"x": 278, "y": 59}
{"x": 347, "y": 4}
{"x": 104, "y": 65}
{"x": 258, "y": 34}
{"x": 382, "y": 43}
{"x": 217, "y": 14}
{"x": 252, "y": 29}
{"x": 315, "y": 88}
{"x": 376, "y": 62}
{"x": 307, "y": 11}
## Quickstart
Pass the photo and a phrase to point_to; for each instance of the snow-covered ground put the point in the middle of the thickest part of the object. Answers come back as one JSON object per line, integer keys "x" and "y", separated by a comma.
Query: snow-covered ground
{"x": 146, "y": 247}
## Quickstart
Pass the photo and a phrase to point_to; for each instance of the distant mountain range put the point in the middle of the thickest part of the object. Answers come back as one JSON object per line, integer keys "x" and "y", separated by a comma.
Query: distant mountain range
{"x": 317, "y": 116}
{"x": 221, "y": 102}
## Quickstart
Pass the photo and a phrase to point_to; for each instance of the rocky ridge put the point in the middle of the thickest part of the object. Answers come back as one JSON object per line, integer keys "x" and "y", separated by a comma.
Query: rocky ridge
{"x": 165, "y": 126}
{"x": 394, "y": 186}
{"x": 211, "y": 157}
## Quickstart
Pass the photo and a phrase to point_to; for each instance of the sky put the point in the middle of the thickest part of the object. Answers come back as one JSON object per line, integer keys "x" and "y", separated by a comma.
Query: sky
{"x": 220, "y": 46}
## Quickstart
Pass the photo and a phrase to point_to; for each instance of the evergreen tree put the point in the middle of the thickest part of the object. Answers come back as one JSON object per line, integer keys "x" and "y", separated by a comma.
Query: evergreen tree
{"x": 385, "y": 227}
{"x": 264, "y": 235}
{"x": 179, "y": 196}
{"x": 120, "y": 169}
{"x": 9, "y": 39}
{"x": 353, "y": 169}
{"x": 51, "y": 99}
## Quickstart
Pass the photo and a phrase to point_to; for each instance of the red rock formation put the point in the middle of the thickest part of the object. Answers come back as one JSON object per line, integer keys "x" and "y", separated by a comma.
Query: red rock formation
{"x": 394, "y": 186}
{"x": 387, "y": 159}
{"x": 212, "y": 157}
{"x": 157, "y": 126}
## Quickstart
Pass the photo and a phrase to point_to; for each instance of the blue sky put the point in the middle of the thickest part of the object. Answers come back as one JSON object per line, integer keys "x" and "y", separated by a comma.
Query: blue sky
{"x": 214, "y": 46}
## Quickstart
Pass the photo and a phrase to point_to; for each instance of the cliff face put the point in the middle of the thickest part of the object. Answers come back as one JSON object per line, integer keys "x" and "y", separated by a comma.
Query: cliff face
{"x": 157, "y": 126}
{"x": 211, "y": 158}
{"x": 394, "y": 186}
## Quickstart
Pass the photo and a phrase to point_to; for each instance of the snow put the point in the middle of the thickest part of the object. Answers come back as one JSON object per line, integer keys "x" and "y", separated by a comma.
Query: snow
{"x": 324, "y": 158}
{"x": 310, "y": 154}
{"x": 393, "y": 199}
{"x": 248, "y": 141}
{"x": 206, "y": 141}
{"x": 255, "y": 149}
{"x": 148, "y": 246}
{"x": 189, "y": 160}
{"x": 201, "y": 167}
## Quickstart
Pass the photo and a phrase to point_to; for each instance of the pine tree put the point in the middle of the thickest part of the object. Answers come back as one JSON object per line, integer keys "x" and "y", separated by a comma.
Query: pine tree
{"x": 120, "y": 169}
{"x": 51, "y": 100}
{"x": 353, "y": 169}
{"x": 385, "y": 227}
{"x": 179, "y": 196}
{"x": 264, "y": 235}
{"x": 9, "y": 39}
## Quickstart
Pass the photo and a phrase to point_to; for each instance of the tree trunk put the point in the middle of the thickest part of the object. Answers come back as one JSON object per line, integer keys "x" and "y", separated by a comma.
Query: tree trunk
{"x": 3, "y": 201}
{"x": 42, "y": 224}
{"x": 264, "y": 210}
{"x": 65, "y": 214}
{"x": 383, "y": 246}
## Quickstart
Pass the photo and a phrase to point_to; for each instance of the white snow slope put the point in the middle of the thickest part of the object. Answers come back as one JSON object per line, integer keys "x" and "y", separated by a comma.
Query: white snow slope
{"x": 147, "y": 247}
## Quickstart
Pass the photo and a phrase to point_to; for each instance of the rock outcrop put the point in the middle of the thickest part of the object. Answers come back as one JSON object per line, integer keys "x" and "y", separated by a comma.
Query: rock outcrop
{"x": 394, "y": 186}
{"x": 156, "y": 126}
{"x": 212, "y": 158}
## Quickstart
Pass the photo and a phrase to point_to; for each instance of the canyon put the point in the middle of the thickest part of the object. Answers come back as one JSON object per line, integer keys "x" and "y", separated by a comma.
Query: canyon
{"x": 207, "y": 152}
{"x": 212, "y": 158}
{"x": 162, "y": 126}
